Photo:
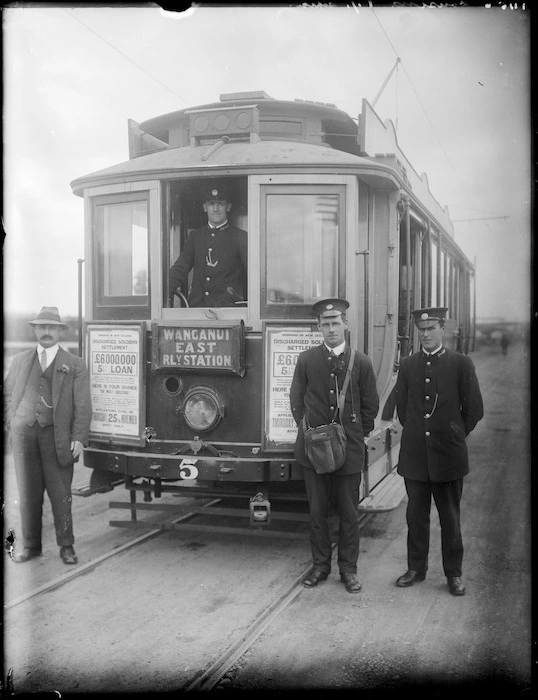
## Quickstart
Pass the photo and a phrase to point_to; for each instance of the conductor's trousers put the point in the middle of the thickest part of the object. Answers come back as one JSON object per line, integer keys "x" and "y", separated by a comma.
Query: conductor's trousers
{"x": 324, "y": 490}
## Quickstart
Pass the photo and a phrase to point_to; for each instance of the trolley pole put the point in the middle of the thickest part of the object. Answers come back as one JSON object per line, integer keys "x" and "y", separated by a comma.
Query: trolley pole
{"x": 80, "y": 348}
{"x": 366, "y": 253}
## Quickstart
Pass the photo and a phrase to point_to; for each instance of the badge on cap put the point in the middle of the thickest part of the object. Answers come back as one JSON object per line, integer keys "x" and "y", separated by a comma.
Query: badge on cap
{"x": 214, "y": 192}
{"x": 329, "y": 307}
{"x": 424, "y": 316}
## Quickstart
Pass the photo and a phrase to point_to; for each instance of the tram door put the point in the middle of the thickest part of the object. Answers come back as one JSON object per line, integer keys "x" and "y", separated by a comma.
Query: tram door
{"x": 406, "y": 284}
{"x": 415, "y": 278}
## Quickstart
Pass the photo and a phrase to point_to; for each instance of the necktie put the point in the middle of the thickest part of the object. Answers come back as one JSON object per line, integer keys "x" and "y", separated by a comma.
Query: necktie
{"x": 43, "y": 360}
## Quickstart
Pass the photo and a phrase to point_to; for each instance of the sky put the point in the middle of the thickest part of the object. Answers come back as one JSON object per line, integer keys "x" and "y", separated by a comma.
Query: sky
{"x": 460, "y": 102}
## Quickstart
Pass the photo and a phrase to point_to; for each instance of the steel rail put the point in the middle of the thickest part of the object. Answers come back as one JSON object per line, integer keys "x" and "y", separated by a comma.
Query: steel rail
{"x": 218, "y": 669}
{"x": 74, "y": 573}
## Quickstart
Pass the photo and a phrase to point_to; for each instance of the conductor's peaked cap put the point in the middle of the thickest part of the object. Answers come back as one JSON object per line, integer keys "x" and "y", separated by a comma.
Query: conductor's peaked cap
{"x": 427, "y": 318}
{"x": 216, "y": 193}
{"x": 330, "y": 307}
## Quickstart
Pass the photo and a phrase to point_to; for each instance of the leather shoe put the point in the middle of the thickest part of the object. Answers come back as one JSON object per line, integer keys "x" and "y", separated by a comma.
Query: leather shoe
{"x": 455, "y": 585}
{"x": 25, "y": 554}
{"x": 314, "y": 577}
{"x": 410, "y": 577}
{"x": 68, "y": 555}
{"x": 351, "y": 582}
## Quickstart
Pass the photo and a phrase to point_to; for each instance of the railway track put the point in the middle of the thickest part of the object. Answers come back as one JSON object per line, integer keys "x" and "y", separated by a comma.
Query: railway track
{"x": 211, "y": 676}
{"x": 82, "y": 569}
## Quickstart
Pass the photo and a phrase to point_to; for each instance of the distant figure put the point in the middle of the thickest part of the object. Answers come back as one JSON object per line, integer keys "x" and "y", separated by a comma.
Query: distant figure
{"x": 218, "y": 254}
{"x": 439, "y": 402}
{"x": 48, "y": 410}
{"x": 505, "y": 342}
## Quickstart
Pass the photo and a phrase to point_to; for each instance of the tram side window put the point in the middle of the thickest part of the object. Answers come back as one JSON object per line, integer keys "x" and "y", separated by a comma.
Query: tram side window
{"x": 443, "y": 299}
{"x": 121, "y": 277}
{"x": 435, "y": 272}
{"x": 302, "y": 228}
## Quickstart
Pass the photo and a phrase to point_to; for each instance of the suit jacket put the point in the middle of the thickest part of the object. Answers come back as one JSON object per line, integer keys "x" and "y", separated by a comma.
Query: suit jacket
{"x": 226, "y": 247}
{"x": 313, "y": 389}
{"x": 439, "y": 402}
{"x": 71, "y": 401}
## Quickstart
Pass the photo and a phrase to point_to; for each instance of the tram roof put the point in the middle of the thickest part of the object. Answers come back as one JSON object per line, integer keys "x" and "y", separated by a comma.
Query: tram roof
{"x": 248, "y": 132}
{"x": 240, "y": 156}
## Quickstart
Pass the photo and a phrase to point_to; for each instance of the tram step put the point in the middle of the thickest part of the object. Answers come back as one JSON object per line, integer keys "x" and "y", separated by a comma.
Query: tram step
{"x": 387, "y": 495}
{"x": 86, "y": 488}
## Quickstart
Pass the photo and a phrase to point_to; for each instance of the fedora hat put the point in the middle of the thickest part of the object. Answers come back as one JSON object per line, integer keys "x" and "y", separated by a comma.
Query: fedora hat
{"x": 49, "y": 315}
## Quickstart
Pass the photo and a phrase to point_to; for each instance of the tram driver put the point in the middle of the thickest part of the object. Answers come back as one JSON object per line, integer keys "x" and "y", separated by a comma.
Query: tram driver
{"x": 217, "y": 254}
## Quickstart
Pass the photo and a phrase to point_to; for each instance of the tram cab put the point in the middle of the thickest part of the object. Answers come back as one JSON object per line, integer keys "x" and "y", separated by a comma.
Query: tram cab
{"x": 331, "y": 207}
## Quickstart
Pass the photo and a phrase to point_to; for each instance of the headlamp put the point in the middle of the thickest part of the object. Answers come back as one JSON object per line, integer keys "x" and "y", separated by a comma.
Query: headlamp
{"x": 202, "y": 408}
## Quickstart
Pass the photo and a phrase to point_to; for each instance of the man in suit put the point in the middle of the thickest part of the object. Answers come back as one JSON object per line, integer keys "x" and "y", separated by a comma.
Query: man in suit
{"x": 439, "y": 402}
{"x": 317, "y": 381}
{"x": 48, "y": 410}
{"x": 218, "y": 254}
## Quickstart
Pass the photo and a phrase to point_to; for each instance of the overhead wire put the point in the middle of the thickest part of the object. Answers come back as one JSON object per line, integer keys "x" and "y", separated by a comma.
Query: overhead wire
{"x": 127, "y": 58}
{"x": 420, "y": 102}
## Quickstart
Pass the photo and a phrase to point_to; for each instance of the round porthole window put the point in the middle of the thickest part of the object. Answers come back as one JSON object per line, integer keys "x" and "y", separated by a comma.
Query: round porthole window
{"x": 172, "y": 385}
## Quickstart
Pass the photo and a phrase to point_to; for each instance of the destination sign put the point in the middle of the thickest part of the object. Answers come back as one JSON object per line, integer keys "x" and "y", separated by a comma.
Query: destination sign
{"x": 199, "y": 347}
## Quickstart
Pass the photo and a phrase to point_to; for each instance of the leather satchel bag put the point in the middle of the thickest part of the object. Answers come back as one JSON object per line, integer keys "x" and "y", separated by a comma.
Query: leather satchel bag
{"x": 325, "y": 445}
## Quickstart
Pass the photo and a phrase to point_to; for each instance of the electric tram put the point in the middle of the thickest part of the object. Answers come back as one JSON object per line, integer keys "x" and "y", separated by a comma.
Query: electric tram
{"x": 198, "y": 397}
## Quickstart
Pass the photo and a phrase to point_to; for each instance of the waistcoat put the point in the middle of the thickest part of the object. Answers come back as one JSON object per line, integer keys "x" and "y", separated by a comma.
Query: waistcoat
{"x": 36, "y": 401}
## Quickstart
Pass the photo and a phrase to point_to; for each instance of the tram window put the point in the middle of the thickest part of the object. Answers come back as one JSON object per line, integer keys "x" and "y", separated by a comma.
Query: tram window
{"x": 425, "y": 272}
{"x": 122, "y": 265}
{"x": 434, "y": 249}
{"x": 302, "y": 229}
{"x": 443, "y": 299}
{"x": 185, "y": 214}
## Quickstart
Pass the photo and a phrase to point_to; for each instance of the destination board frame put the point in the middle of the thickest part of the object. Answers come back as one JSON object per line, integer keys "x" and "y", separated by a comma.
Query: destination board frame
{"x": 199, "y": 346}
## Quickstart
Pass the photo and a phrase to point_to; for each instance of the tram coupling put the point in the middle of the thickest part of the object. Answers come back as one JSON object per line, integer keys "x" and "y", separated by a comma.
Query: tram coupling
{"x": 260, "y": 510}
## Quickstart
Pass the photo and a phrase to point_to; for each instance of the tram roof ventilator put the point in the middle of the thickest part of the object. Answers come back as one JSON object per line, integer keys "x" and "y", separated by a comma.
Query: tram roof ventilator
{"x": 246, "y": 116}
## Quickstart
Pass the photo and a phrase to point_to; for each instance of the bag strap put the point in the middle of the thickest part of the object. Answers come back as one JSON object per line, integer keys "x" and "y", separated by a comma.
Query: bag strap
{"x": 342, "y": 397}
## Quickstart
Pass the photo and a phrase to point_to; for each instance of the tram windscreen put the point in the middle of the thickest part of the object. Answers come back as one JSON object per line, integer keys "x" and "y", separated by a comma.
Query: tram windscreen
{"x": 123, "y": 231}
{"x": 302, "y": 234}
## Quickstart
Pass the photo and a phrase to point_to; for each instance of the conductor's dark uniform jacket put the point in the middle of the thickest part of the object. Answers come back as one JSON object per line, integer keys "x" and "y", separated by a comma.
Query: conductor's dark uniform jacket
{"x": 219, "y": 258}
{"x": 313, "y": 386}
{"x": 438, "y": 402}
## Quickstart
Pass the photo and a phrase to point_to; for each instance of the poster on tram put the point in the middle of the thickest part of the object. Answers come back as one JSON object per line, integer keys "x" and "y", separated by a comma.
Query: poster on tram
{"x": 115, "y": 359}
{"x": 283, "y": 345}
